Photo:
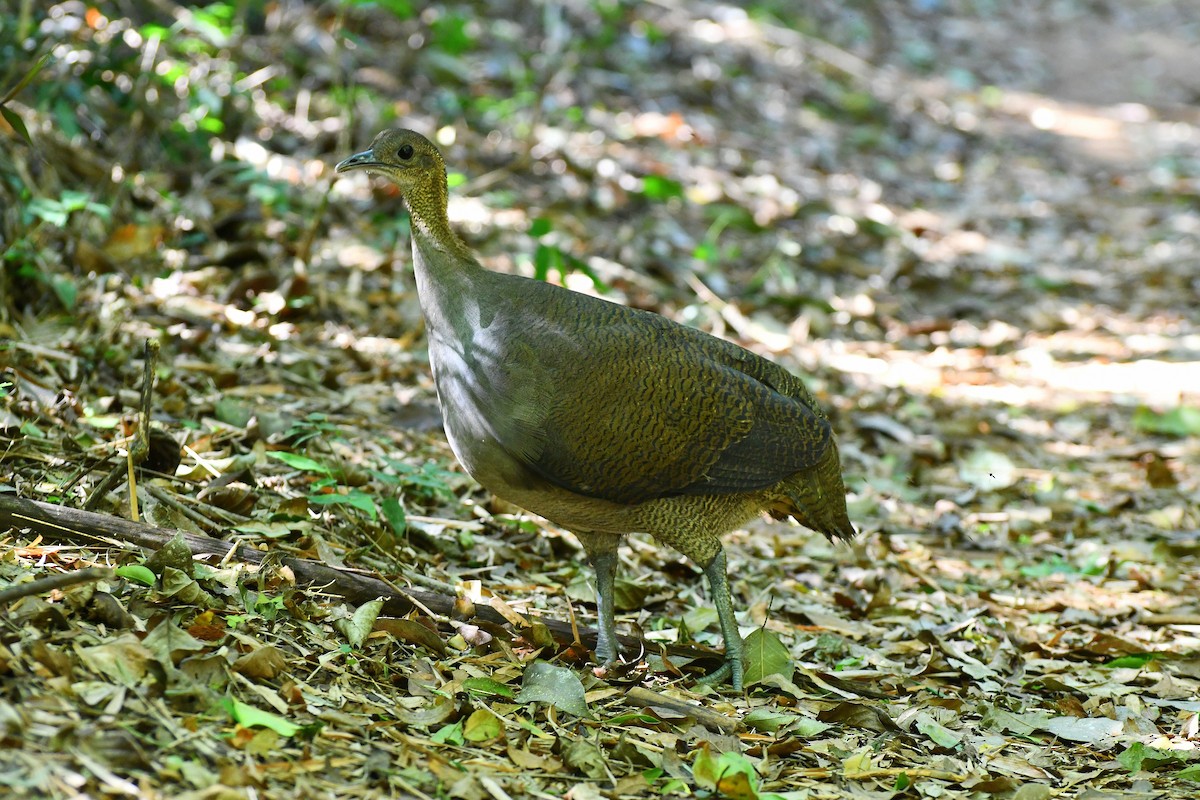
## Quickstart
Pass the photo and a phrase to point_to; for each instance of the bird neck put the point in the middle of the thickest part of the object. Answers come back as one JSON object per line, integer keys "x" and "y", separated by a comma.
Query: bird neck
{"x": 445, "y": 268}
{"x": 452, "y": 299}
{"x": 427, "y": 206}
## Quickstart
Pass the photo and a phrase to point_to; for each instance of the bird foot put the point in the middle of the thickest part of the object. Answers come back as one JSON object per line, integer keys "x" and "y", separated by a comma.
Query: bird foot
{"x": 617, "y": 667}
{"x": 606, "y": 655}
{"x": 731, "y": 670}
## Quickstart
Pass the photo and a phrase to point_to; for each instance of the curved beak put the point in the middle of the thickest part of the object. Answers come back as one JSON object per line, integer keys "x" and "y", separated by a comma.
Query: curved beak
{"x": 364, "y": 160}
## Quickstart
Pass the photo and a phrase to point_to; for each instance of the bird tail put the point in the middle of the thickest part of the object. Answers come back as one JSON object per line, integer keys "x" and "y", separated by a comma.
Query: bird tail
{"x": 816, "y": 498}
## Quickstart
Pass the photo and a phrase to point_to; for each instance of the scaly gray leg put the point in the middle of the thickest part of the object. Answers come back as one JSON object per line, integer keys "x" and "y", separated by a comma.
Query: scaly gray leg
{"x": 718, "y": 583}
{"x": 602, "y": 553}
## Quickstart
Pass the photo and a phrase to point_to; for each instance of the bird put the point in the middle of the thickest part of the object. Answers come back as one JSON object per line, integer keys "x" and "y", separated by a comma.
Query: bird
{"x": 604, "y": 419}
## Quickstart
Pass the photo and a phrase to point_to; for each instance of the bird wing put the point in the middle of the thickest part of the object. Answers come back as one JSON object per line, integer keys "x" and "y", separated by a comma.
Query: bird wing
{"x": 629, "y": 406}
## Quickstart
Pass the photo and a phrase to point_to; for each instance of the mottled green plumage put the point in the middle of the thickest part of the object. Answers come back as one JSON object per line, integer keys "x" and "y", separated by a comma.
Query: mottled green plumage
{"x": 604, "y": 419}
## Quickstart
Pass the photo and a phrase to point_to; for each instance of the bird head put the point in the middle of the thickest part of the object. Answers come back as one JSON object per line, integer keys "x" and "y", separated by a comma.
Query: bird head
{"x": 411, "y": 161}
{"x": 404, "y": 156}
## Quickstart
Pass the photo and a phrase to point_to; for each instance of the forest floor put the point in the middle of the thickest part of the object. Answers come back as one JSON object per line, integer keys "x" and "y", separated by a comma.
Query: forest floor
{"x": 974, "y": 228}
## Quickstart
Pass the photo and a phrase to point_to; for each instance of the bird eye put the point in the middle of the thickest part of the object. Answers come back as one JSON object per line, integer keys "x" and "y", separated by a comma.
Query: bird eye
{"x": 405, "y": 151}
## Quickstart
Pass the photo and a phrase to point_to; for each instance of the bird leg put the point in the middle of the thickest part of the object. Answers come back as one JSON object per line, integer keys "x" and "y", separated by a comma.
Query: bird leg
{"x": 718, "y": 582}
{"x": 602, "y": 553}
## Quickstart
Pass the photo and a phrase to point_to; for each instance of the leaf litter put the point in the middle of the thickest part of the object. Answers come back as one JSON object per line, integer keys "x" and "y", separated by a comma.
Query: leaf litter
{"x": 985, "y": 257}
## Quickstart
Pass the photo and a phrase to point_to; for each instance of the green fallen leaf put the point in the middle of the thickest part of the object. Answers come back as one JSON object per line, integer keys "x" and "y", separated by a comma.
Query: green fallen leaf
{"x": 449, "y": 734}
{"x": 558, "y": 686}
{"x": 1133, "y": 756}
{"x": 767, "y": 719}
{"x": 297, "y": 461}
{"x": 250, "y": 717}
{"x": 585, "y": 756}
{"x": 764, "y": 654}
{"x": 937, "y": 733}
{"x": 1191, "y": 773}
{"x": 354, "y": 499}
{"x": 485, "y": 687}
{"x": 731, "y": 775}
{"x": 1133, "y": 660}
{"x": 482, "y": 726}
{"x": 136, "y": 573}
{"x": 358, "y": 627}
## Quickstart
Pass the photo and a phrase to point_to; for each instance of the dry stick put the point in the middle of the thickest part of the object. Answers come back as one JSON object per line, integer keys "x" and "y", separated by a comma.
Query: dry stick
{"x": 140, "y": 447}
{"x": 106, "y": 485}
{"x": 59, "y": 522}
{"x": 51, "y": 582}
{"x": 141, "y": 439}
{"x": 1171, "y": 619}
{"x": 705, "y": 716}
{"x": 212, "y": 519}
{"x": 304, "y": 248}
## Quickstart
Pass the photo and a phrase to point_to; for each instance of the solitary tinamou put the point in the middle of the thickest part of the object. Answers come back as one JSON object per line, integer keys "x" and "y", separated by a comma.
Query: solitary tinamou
{"x": 603, "y": 419}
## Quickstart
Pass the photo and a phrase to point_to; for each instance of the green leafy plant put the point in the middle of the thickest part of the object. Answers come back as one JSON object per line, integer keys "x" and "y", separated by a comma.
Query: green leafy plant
{"x": 428, "y": 481}
{"x": 1179, "y": 421}
{"x": 724, "y": 216}
{"x": 315, "y": 425}
{"x": 452, "y": 34}
{"x": 58, "y": 212}
{"x": 25, "y": 262}
{"x": 327, "y": 490}
{"x": 1138, "y": 757}
{"x": 547, "y": 257}
{"x": 660, "y": 189}
{"x": 1058, "y": 566}
{"x": 728, "y": 774}
{"x": 12, "y": 117}
{"x": 401, "y": 9}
